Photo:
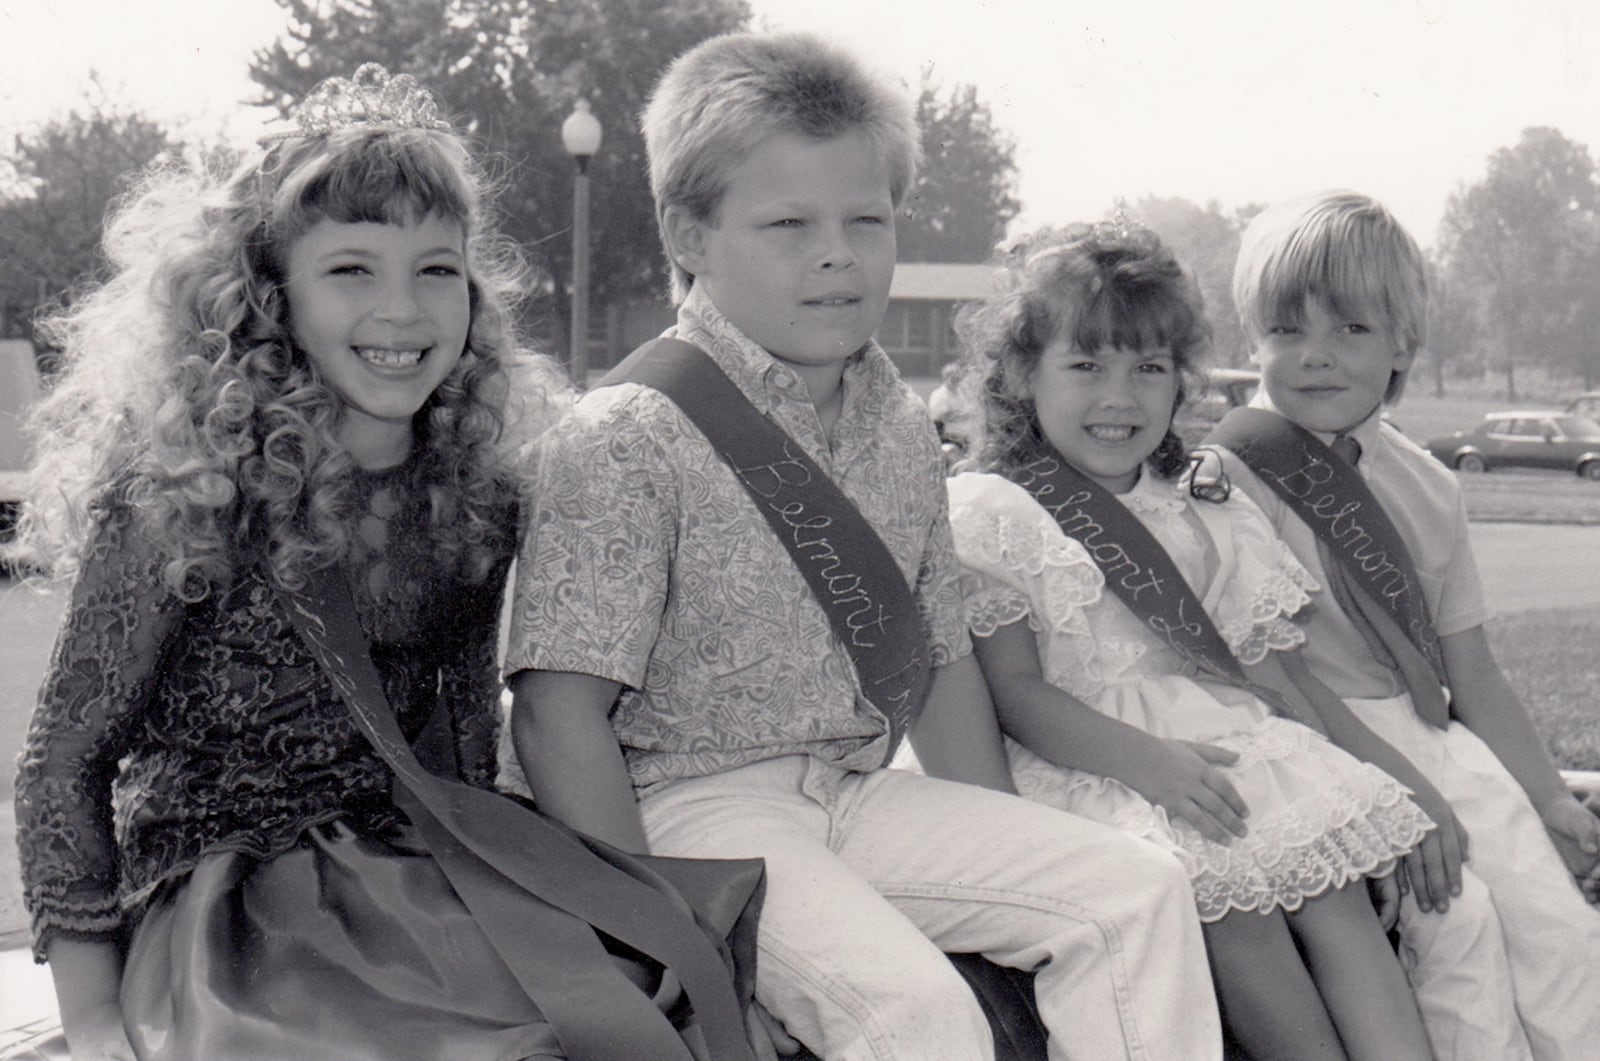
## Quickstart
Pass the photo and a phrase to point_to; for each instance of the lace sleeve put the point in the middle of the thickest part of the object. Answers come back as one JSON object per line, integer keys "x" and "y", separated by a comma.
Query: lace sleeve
{"x": 992, "y": 603}
{"x": 119, "y": 627}
{"x": 1016, "y": 561}
{"x": 1262, "y": 584}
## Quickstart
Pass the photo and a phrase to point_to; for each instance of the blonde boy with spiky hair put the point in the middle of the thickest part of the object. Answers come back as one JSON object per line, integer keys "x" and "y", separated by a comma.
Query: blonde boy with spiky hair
{"x": 1501, "y": 951}
{"x": 681, "y": 688}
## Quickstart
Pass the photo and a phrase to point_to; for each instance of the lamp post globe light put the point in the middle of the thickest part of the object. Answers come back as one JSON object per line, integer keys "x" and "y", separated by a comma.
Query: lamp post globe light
{"x": 580, "y": 135}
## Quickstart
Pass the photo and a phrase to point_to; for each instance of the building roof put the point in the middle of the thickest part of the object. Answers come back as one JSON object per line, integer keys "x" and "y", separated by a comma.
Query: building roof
{"x": 940, "y": 281}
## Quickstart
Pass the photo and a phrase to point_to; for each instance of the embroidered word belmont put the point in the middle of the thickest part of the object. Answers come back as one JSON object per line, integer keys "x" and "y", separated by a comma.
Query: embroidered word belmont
{"x": 1111, "y": 557}
{"x": 812, "y": 545}
{"x": 1342, "y": 519}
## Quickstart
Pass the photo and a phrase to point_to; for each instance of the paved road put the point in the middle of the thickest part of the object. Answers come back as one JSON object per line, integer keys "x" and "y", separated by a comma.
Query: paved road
{"x": 1527, "y": 567}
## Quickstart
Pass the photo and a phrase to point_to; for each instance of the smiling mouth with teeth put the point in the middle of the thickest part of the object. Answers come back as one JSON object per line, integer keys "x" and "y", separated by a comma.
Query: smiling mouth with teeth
{"x": 1112, "y": 432}
{"x": 388, "y": 358}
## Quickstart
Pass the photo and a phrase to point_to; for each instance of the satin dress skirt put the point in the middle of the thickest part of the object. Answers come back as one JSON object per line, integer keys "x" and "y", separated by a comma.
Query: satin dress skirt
{"x": 346, "y": 947}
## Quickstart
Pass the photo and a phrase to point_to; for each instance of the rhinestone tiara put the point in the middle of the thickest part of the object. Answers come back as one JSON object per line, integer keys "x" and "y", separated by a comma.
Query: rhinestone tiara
{"x": 373, "y": 99}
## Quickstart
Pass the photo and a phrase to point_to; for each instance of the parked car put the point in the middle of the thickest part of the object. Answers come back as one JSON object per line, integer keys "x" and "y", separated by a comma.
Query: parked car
{"x": 1528, "y": 438}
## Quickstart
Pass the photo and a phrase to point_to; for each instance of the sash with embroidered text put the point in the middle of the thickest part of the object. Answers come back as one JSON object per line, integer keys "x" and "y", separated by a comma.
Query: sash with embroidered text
{"x": 848, "y": 568}
{"x": 1335, "y": 502}
{"x": 1137, "y": 568}
{"x": 543, "y": 893}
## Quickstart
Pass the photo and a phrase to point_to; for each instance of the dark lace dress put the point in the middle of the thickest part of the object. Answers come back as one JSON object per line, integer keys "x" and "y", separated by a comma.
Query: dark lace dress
{"x": 193, "y": 789}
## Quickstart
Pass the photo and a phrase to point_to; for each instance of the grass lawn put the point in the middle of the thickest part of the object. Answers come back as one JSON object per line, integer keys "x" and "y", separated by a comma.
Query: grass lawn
{"x": 1550, "y": 659}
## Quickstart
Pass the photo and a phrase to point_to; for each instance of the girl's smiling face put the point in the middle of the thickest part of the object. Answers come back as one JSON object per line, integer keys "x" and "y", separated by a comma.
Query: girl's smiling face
{"x": 382, "y": 311}
{"x": 1107, "y": 410}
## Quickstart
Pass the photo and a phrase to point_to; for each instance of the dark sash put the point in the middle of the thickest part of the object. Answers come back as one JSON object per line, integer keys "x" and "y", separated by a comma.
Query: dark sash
{"x": 541, "y": 891}
{"x": 1137, "y": 568}
{"x": 851, "y": 573}
{"x": 1335, "y": 502}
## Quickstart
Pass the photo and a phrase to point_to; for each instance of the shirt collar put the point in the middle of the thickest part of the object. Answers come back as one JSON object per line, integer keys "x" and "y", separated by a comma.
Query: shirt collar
{"x": 1366, "y": 432}
{"x": 766, "y": 381}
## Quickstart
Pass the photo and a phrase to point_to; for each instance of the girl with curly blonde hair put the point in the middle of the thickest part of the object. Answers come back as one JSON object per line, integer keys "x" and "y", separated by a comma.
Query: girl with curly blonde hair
{"x": 278, "y": 467}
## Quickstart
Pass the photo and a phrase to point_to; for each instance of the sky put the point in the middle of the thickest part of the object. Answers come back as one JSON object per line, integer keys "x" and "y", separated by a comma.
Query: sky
{"x": 1232, "y": 102}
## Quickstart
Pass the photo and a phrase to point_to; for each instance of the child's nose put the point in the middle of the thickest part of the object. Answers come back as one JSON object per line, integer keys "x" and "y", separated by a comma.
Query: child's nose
{"x": 836, "y": 252}
{"x": 1316, "y": 352}
{"x": 1118, "y": 392}
{"x": 398, "y": 304}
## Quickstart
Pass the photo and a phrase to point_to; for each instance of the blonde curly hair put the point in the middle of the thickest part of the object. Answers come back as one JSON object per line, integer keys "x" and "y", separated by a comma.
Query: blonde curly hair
{"x": 182, "y": 391}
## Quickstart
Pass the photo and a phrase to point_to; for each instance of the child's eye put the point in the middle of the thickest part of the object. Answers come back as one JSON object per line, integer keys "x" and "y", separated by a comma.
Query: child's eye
{"x": 441, "y": 270}
{"x": 1354, "y": 328}
{"x": 1155, "y": 368}
{"x": 1284, "y": 329}
{"x": 1083, "y": 366}
{"x": 787, "y": 222}
{"x": 348, "y": 269}
{"x": 871, "y": 219}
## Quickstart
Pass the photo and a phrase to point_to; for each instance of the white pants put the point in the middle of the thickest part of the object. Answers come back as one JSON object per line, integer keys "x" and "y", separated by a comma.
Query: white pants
{"x": 870, "y": 876}
{"x": 1548, "y": 934}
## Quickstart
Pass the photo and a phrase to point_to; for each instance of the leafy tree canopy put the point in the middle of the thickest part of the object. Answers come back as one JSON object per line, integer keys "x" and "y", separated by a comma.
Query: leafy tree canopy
{"x": 1523, "y": 245}
{"x": 508, "y": 72}
{"x": 55, "y": 184}
{"x": 965, "y": 194}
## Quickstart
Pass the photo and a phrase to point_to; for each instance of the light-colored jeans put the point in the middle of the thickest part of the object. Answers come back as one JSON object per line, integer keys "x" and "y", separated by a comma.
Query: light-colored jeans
{"x": 1549, "y": 936}
{"x": 871, "y": 875}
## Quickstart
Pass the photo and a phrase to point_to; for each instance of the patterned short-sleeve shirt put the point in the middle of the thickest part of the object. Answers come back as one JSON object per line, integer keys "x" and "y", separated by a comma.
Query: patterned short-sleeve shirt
{"x": 645, "y": 562}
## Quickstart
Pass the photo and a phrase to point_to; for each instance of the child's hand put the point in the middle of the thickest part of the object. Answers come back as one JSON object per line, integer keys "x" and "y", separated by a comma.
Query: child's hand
{"x": 1433, "y": 868}
{"x": 1576, "y": 832}
{"x": 1385, "y": 894}
{"x": 769, "y": 1039}
{"x": 1179, "y": 777}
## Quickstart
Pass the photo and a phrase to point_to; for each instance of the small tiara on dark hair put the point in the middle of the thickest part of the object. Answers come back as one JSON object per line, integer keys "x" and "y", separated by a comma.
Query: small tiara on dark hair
{"x": 371, "y": 99}
{"x": 1119, "y": 226}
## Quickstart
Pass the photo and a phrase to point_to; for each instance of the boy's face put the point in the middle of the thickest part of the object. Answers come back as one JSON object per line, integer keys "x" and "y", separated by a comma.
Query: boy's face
{"x": 801, "y": 251}
{"x": 1329, "y": 370}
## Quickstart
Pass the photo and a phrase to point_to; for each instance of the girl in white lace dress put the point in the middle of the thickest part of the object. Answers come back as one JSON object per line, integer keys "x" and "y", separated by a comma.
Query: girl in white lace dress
{"x": 1078, "y": 359}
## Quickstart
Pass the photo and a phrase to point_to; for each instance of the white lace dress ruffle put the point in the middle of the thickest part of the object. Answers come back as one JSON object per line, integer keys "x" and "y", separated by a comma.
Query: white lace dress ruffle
{"x": 1318, "y": 817}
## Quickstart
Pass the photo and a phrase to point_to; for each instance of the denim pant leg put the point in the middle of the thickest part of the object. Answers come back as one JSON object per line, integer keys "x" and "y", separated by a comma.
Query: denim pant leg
{"x": 846, "y": 972}
{"x": 1108, "y": 920}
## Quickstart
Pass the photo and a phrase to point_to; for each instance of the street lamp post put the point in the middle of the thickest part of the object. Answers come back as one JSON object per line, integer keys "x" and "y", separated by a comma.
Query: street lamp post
{"x": 580, "y": 135}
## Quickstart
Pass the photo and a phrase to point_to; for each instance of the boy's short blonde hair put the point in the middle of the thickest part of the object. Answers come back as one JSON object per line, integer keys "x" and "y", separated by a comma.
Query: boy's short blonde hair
{"x": 1339, "y": 246}
{"x": 718, "y": 101}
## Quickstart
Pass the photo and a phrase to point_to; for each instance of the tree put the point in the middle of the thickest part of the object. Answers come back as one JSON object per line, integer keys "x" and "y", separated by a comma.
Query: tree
{"x": 1205, "y": 241}
{"x": 58, "y": 182}
{"x": 965, "y": 194}
{"x": 508, "y": 72}
{"x": 1522, "y": 244}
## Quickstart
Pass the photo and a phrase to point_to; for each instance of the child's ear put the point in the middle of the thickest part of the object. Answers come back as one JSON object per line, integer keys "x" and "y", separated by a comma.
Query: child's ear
{"x": 686, "y": 240}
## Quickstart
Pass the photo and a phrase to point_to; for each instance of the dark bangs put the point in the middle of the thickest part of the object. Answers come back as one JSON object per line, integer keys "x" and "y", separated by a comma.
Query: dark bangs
{"x": 1137, "y": 313}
